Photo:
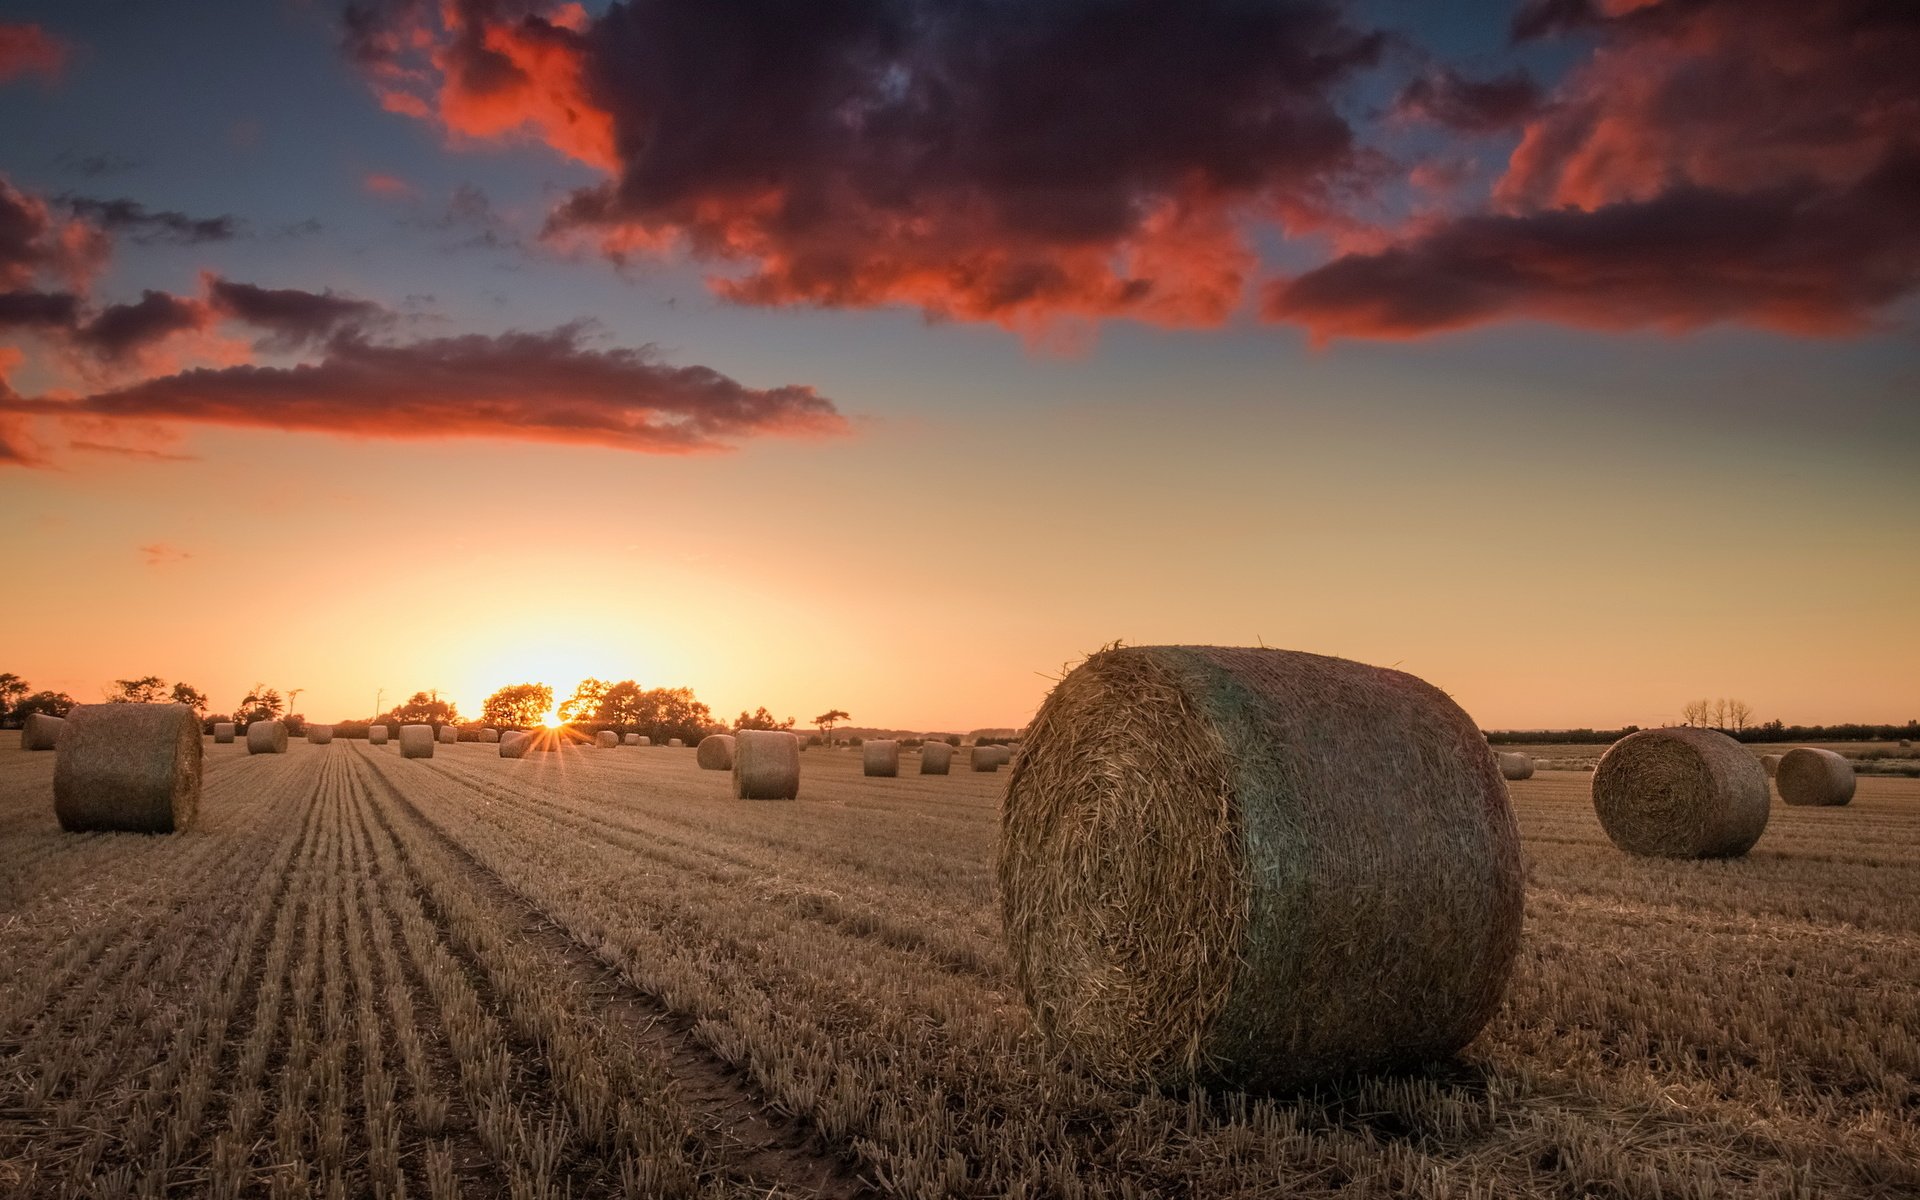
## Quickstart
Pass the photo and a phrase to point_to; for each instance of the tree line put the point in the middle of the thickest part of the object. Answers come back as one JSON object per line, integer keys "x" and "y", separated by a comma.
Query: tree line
{"x": 261, "y": 703}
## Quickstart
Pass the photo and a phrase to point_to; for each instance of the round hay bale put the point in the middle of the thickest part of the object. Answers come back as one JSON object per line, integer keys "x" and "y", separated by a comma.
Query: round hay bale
{"x": 880, "y": 758}
{"x": 1771, "y": 762}
{"x": 320, "y": 735}
{"x": 133, "y": 767}
{"x": 1906, "y": 743}
{"x": 223, "y": 731}
{"x": 1813, "y": 778}
{"x": 41, "y": 732}
{"x": 267, "y": 737}
{"x": 676, "y": 744}
{"x": 416, "y": 741}
{"x": 376, "y": 735}
{"x": 1256, "y": 867}
{"x": 766, "y": 764}
{"x": 641, "y": 739}
{"x": 935, "y": 758}
{"x": 988, "y": 758}
{"x": 1681, "y": 793}
{"x": 449, "y": 735}
{"x": 1515, "y": 766}
{"x": 715, "y": 752}
{"x": 631, "y": 739}
{"x": 490, "y": 736}
{"x": 514, "y": 744}
{"x": 606, "y": 739}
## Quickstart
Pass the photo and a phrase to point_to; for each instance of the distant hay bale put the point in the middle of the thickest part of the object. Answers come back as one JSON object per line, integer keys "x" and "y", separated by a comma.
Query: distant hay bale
{"x": 40, "y": 732}
{"x": 223, "y": 731}
{"x": 449, "y": 735}
{"x": 320, "y": 735}
{"x": 715, "y": 752}
{"x": 1771, "y": 762}
{"x": 416, "y": 741}
{"x": 631, "y": 739}
{"x": 606, "y": 739}
{"x": 676, "y": 744}
{"x": 1811, "y": 778}
{"x": 376, "y": 735}
{"x": 1255, "y": 867}
{"x": 880, "y": 758}
{"x": 514, "y": 744}
{"x": 1515, "y": 766}
{"x": 641, "y": 739}
{"x": 132, "y": 767}
{"x": 766, "y": 764}
{"x": 989, "y": 758}
{"x": 1681, "y": 793}
{"x": 489, "y": 736}
{"x": 1906, "y": 743}
{"x": 267, "y": 737}
{"x": 935, "y": 758}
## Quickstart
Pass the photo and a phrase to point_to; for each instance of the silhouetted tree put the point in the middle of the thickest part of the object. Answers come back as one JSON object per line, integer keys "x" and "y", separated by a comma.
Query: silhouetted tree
{"x": 54, "y": 704}
{"x": 192, "y": 697}
{"x": 827, "y": 720}
{"x": 148, "y": 689}
{"x": 585, "y": 703}
{"x": 423, "y": 708}
{"x": 518, "y": 705}
{"x": 261, "y": 703}
{"x": 760, "y": 718}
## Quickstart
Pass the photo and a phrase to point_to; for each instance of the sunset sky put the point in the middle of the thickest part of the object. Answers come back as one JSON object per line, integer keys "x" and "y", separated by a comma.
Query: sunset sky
{"x": 889, "y": 355}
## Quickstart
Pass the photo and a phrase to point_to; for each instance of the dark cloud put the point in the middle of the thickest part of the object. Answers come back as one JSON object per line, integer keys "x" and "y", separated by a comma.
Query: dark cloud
{"x": 531, "y": 387}
{"x": 1446, "y": 97}
{"x": 23, "y": 309}
{"x": 36, "y": 243}
{"x": 119, "y": 331}
{"x": 94, "y": 166}
{"x": 29, "y": 49}
{"x": 291, "y": 317}
{"x": 137, "y": 223}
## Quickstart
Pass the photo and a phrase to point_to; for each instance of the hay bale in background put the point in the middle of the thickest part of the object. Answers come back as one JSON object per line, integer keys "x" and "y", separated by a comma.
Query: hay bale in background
{"x": 1771, "y": 762}
{"x": 1906, "y": 743}
{"x": 1681, "y": 793}
{"x": 133, "y": 767}
{"x": 606, "y": 739}
{"x": 675, "y": 744}
{"x": 489, "y": 736}
{"x": 40, "y": 732}
{"x": 376, "y": 735}
{"x": 641, "y": 739}
{"x": 935, "y": 758}
{"x": 416, "y": 741}
{"x": 514, "y": 744}
{"x": 320, "y": 735}
{"x": 766, "y": 764}
{"x": 267, "y": 737}
{"x": 1256, "y": 867}
{"x": 1515, "y": 766}
{"x": 223, "y": 731}
{"x": 880, "y": 758}
{"x": 449, "y": 735}
{"x": 631, "y": 739}
{"x": 715, "y": 752}
{"x": 988, "y": 758}
{"x": 1810, "y": 777}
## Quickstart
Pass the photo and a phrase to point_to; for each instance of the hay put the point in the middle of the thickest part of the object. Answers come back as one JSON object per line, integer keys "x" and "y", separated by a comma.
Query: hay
{"x": 223, "y": 731}
{"x": 631, "y": 739}
{"x": 935, "y": 758}
{"x": 416, "y": 741}
{"x": 1515, "y": 766}
{"x": 449, "y": 735}
{"x": 376, "y": 735}
{"x": 1771, "y": 762}
{"x": 988, "y": 758}
{"x": 267, "y": 737}
{"x": 1906, "y": 743}
{"x": 490, "y": 736}
{"x": 606, "y": 739}
{"x": 320, "y": 735}
{"x": 676, "y": 744}
{"x": 766, "y": 764}
{"x": 641, "y": 739}
{"x": 1256, "y": 867}
{"x": 41, "y": 732}
{"x": 514, "y": 744}
{"x": 133, "y": 767}
{"x": 1681, "y": 793}
{"x": 1812, "y": 778}
{"x": 880, "y": 758}
{"x": 715, "y": 752}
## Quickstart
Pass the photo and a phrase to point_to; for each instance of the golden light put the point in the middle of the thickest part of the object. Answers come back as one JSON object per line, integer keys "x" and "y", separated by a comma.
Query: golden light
{"x": 552, "y": 720}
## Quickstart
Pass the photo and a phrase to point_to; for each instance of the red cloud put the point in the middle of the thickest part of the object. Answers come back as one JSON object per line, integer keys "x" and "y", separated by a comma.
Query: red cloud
{"x": 388, "y": 185}
{"x": 28, "y": 49}
{"x": 36, "y": 244}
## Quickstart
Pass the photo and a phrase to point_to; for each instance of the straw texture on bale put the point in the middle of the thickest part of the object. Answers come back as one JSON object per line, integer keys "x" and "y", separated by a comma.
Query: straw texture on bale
{"x": 267, "y": 737}
{"x": 133, "y": 767}
{"x": 715, "y": 752}
{"x": 935, "y": 758}
{"x": 489, "y": 736}
{"x": 880, "y": 758}
{"x": 1809, "y": 777}
{"x": 376, "y": 735}
{"x": 449, "y": 735}
{"x": 416, "y": 741}
{"x": 988, "y": 758}
{"x": 1681, "y": 793}
{"x": 1516, "y": 766}
{"x": 631, "y": 739}
{"x": 320, "y": 735}
{"x": 606, "y": 739}
{"x": 223, "y": 731}
{"x": 675, "y": 744}
{"x": 643, "y": 739}
{"x": 514, "y": 744}
{"x": 766, "y": 764}
{"x": 1771, "y": 762}
{"x": 40, "y": 732}
{"x": 1256, "y": 867}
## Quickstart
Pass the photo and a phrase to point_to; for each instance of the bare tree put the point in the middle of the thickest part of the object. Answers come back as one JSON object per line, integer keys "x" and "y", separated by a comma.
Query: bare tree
{"x": 1738, "y": 715}
{"x": 1696, "y": 713}
{"x": 1720, "y": 713}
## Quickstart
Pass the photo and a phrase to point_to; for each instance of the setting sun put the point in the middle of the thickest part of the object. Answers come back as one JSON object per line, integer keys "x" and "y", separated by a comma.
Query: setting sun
{"x": 552, "y": 720}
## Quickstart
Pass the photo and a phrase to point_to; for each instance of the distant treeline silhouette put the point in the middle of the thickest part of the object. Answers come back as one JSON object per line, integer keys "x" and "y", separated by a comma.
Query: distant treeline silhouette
{"x": 1770, "y": 731}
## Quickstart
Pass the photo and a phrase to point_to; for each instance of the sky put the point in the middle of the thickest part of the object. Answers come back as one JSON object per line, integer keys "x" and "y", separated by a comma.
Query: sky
{"x": 892, "y": 355}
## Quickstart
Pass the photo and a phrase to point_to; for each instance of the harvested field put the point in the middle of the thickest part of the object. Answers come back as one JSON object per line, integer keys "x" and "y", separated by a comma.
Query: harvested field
{"x": 599, "y": 975}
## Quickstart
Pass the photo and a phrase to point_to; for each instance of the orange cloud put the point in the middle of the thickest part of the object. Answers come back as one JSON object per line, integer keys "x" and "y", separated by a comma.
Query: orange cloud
{"x": 391, "y": 186}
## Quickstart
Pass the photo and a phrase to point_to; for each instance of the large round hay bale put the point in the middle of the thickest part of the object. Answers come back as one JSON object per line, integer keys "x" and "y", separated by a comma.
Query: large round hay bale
{"x": 376, "y": 735}
{"x": 630, "y": 739}
{"x": 449, "y": 735}
{"x": 320, "y": 735}
{"x": 490, "y": 735}
{"x": 715, "y": 752}
{"x": 1681, "y": 793}
{"x": 988, "y": 758}
{"x": 607, "y": 739}
{"x": 676, "y": 744}
{"x": 267, "y": 737}
{"x": 1771, "y": 762}
{"x": 223, "y": 732}
{"x": 935, "y": 758}
{"x": 1809, "y": 777}
{"x": 416, "y": 741}
{"x": 1256, "y": 867}
{"x": 514, "y": 744}
{"x": 1515, "y": 766}
{"x": 132, "y": 767}
{"x": 40, "y": 732}
{"x": 766, "y": 764}
{"x": 880, "y": 758}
